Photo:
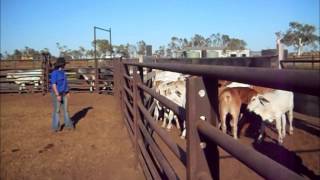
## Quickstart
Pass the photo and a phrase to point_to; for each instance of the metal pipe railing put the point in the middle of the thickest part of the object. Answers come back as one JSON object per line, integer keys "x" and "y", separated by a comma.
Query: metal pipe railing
{"x": 168, "y": 103}
{"x": 158, "y": 154}
{"x": 309, "y": 80}
{"x": 177, "y": 150}
{"x": 148, "y": 161}
{"x": 293, "y": 80}
{"x": 261, "y": 164}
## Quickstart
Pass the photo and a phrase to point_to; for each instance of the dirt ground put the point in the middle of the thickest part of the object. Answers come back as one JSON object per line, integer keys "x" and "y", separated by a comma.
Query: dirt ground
{"x": 300, "y": 152}
{"x": 99, "y": 148}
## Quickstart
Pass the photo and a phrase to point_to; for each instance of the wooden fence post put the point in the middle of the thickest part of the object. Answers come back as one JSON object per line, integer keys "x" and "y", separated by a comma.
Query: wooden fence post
{"x": 202, "y": 162}
{"x": 45, "y": 73}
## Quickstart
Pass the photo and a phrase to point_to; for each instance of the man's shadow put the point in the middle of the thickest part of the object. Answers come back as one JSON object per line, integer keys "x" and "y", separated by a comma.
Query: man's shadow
{"x": 80, "y": 115}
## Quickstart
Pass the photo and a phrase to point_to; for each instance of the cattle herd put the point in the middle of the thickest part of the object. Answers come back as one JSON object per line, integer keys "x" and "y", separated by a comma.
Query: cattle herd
{"x": 22, "y": 78}
{"x": 270, "y": 104}
{"x": 33, "y": 78}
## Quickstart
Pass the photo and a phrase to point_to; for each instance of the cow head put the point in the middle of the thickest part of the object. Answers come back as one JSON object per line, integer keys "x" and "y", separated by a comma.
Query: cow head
{"x": 256, "y": 102}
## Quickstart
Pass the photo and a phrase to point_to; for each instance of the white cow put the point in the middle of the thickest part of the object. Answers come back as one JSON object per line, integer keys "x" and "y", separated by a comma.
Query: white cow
{"x": 89, "y": 75}
{"x": 26, "y": 77}
{"x": 172, "y": 86}
{"x": 273, "y": 106}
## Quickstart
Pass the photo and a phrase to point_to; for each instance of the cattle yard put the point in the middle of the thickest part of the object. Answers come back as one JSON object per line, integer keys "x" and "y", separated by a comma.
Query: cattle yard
{"x": 24, "y": 76}
{"x": 206, "y": 153}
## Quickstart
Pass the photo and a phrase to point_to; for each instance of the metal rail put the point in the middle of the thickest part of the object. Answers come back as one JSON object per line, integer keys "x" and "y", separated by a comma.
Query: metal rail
{"x": 199, "y": 164}
{"x": 266, "y": 77}
{"x": 261, "y": 164}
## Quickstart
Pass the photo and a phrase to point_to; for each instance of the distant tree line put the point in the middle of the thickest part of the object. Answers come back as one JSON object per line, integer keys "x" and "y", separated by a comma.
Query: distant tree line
{"x": 103, "y": 48}
{"x": 26, "y": 53}
{"x": 217, "y": 40}
{"x": 298, "y": 36}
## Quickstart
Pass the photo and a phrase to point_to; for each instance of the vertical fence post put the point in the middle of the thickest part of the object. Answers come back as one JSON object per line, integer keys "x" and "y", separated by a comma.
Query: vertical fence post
{"x": 116, "y": 79}
{"x": 97, "y": 74}
{"x": 45, "y": 73}
{"x": 202, "y": 162}
{"x": 43, "y": 68}
{"x": 137, "y": 116}
{"x": 121, "y": 85}
{"x": 135, "y": 107}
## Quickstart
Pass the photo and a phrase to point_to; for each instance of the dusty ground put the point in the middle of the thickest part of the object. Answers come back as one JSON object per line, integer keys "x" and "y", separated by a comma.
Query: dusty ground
{"x": 300, "y": 152}
{"x": 99, "y": 148}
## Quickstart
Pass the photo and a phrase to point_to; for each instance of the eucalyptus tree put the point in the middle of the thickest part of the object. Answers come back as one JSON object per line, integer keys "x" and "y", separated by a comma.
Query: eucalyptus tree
{"x": 141, "y": 47}
{"x": 132, "y": 50}
{"x": 198, "y": 41}
{"x": 301, "y": 35}
{"x": 103, "y": 46}
{"x": 161, "y": 51}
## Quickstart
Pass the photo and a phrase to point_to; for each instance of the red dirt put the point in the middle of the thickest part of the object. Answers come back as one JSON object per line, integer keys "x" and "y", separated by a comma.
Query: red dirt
{"x": 99, "y": 148}
{"x": 300, "y": 152}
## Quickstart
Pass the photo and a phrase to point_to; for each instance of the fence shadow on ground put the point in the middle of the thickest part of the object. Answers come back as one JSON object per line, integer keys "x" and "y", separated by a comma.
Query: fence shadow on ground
{"x": 285, "y": 157}
{"x": 80, "y": 115}
{"x": 308, "y": 127}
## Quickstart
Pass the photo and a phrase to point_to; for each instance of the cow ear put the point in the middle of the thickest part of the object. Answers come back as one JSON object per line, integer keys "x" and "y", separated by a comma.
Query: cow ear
{"x": 263, "y": 100}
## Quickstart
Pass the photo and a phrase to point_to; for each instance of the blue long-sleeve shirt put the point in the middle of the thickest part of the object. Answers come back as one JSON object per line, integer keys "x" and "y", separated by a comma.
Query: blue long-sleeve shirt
{"x": 59, "y": 78}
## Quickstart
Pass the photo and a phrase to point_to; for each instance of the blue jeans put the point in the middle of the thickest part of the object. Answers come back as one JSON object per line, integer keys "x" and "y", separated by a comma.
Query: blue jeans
{"x": 56, "y": 112}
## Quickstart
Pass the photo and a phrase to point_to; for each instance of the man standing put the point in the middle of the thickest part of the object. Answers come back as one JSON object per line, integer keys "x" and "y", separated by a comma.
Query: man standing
{"x": 60, "y": 95}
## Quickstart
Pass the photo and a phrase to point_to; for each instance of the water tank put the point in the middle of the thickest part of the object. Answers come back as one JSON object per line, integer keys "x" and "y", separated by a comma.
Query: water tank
{"x": 212, "y": 54}
{"x": 193, "y": 54}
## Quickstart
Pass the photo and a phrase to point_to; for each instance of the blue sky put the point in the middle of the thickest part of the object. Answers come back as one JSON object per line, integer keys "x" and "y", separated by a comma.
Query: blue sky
{"x": 41, "y": 23}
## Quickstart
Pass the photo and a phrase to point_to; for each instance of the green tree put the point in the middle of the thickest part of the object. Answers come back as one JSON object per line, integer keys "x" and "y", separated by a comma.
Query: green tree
{"x": 300, "y": 35}
{"x": 122, "y": 50}
{"x": 175, "y": 44}
{"x": 44, "y": 50}
{"x": 7, "y": 55}
{"x": 82, "y": 51}
{"x": 141, "y": 47}
{"x": 198, "y": 41}
{"x": 89, "y": 53}
{"x": 31, "y": 53}
{"x": 216, "y": 40}
{"x": 161, "y": 51}
{"x": 75, "y": 54}
{"x": 132, "y": 50}
{"x": 236, "y": 44}
{"x": 64, "y": 51}
{"x": 225, "y": 39}
{"x": 168, "y": 52}
{"x": 103, "y": 46}
{"x": 185, "y": 43}
{"x": 17, "y": 54}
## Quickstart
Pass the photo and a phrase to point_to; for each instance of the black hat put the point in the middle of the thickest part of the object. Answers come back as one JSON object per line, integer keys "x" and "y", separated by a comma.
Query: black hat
{"x": 60, "y": 62}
